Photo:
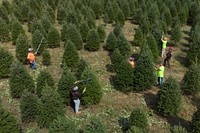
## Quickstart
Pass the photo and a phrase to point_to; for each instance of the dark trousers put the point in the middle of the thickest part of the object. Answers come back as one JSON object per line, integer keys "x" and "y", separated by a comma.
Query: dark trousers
{"x": 167, "y": 61}
{"x": 160, "y": 81}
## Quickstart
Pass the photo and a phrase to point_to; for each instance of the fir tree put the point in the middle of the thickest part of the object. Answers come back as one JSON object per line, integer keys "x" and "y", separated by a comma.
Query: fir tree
{"x": 97, "y": 7}
{"x": 16, "y": 12}
{"x": 16, "y": 29}
{"x": 53, "y": 38}
{"x": 8, "y": 123}
{"x": 93, "y": 41}
{"x": 22, "y": 46}
{"x": 71, "y": 17}
{"x": 109, "y": 12}
{"x": 111, "y": 42}
{"x": 153, "y": 13}
{"x": 3, "y": 13}
{"x": 37, "y": 25}
{"x": 153, "y": 47}
{"x": 70, "y": 55}
{"x": 138, "y": 37}
{"x": 144, "y": 25}
{"x": 84, "y": 29}
{"x": 46, "y": 23}
{"x": 183, "y": 16}
{"x": 116, "y": 59}
{"x": 36, "y": 40}
{"x": 194, "y": 52}
{"x": 31, "y": 18}
{"x": 116, "y": 8}
{"x": 6, "y": 60}
{"x": 28, "y": 107}
{"x": 24, "y": 9}
{"x": 167, "y": 15}
{"x": 125, "y": 8}
{"x": 117, "y": 30}
{"x": 176, "y": 33}
{"x": 123, "y": 46}
{"x": 191, "y": 79}
{"x": 7, "y": 5}
{"x": 61, "y": 14}
{"x": 195, "y": 121}
{"x": 178, "y": 129}
{"x": 120, "y": 18}
{"x": 51, "y": 13}
{"x": 4, "y": 31}
{"x": 65, "y": 84}
{"x": 169, "y": 98}
{"x": 135, "y": 129}
{"x": 91, "y": 22}
{"x": 80, "y": 67}
{"x": 144, "y": 76}
{"x": 63, "y": 125}
{"x": 93, "y": 93}
{"x": 43, "y": 79}
{"x": 20, "y": 80}
{"x": 50, "y": 106}
{"x": 101, "y": 32}
{"x": 46, "y": 58}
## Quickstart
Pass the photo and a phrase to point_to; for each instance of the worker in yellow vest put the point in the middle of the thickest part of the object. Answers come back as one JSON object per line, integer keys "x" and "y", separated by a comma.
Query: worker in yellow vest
{"x": 160, "y": 74}
{"x": 164, "y": 45}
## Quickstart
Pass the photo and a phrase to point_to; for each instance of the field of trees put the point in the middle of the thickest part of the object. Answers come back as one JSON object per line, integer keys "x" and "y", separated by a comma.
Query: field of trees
{"x": 94, "y": 39}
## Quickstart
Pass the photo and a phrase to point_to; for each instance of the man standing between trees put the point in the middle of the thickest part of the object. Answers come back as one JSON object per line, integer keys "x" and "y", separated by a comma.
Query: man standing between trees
{"x": 31, "y": 58}
{"x": 164, "y": 45}
{"x": 168, "y": 57}
{"x": 160, "y": 74}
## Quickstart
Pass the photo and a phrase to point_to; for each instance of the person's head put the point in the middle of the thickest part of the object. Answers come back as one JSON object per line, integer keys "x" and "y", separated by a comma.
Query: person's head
{"x": 131, "y": 59}
{"x": 30, "y": 50}
{"x": 75, "y": 88}
{"x": 170, "y": 49}
{"x": 165, "y": 38}
{"x": 161, "y": 63}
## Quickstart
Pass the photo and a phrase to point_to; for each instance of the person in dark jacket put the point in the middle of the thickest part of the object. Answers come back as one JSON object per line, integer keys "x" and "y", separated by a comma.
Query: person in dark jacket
{"x": 168, "y": 57}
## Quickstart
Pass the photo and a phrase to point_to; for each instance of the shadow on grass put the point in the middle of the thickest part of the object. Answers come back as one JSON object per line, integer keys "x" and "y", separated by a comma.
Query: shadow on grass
{"x": 187, "y": 39}
{"x": 184, "y": 50}
{"x": 185, "y": 44}
{"x": 183, "y": 60}
{"x": 124, "y": 124}
{"x": 110, "y": 68}
{"x": 150, "y": 100}
{"x": 195, "y": 101}
{"x": 186, "y": 32}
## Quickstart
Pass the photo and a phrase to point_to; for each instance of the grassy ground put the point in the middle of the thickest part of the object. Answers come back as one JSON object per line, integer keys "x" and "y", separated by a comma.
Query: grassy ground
{"x": 115, "y": 106}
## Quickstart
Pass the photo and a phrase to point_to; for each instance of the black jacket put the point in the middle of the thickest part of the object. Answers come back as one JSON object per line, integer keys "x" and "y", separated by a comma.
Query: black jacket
{"x": 76, "y": 95}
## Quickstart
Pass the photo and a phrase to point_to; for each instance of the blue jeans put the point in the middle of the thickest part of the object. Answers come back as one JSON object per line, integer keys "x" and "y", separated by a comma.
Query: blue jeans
{"x": 160, "y": 81}
{"x": 77, "y": 103}
{"x": 33, "y": 65}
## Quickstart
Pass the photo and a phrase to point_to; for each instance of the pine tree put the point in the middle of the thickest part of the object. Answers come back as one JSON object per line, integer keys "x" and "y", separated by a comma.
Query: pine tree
{"x": 36, "y": 40}
{"x": 22, "y": 46}
{"x": 4, "y": 31}
{"x": 144, "y": 76}
{"x": 4, "y": 14}
{"x": 61, "y": 14}
{"x": 135, "y": 129}
{"x": 93, "y": 93}
{"x": 24, "y": 9}
{"x": 117, "y": 30}
{"x": 8, "y": 123}
{"x": 120, "y": 18}
{"x": 116, "y": 59}
{"x": 31, "y": 18}
{"x": 51, "y": 13}
{"x": 7, "y": 5}
{"x": 153, "y": 47}
{"x": 176, "y": 33}
{"x": 16, "y": 12}
{"x": 183, "y": 16}
{"x": 167, "y": 15}
{"x": 71, "y": 17}
{"x": 178, "y": 129}
{"x": 50, "y": 106}
{"x": 153, "y": 13}
{"x": 63, "y": 125}
{"x": 191, "y": 79}
{"x": 138, "y": 37}
{"x": 46, "y": 58}
{"x": 80, "y": 67}
{"x": 169, "y": 98}
{"x": 91, "y": 22}
{"x": 70, "y": 55}
{"x": 37, "y": 25}
{"x": 93, "y": 41}
{"x": 65, "y": 84}
{"x": 84, "y": 29}
{"x": 6, "y": 60}
{"x": 111, "y": 42}
{"x": 20, "y": 80}
{"x": 194, "y": 52}
{"x": 125, "y": 8}
{"x": 46, "y": 23}
{"x": 101, "y": 32}
{"x": 123, "y": 46}
{"x": 16, "y": 29}
{"x": 28, "y": 106}
{"x": 53, "y": 38}
{"x": 95, "y": 125}
{"x": 116, "y": 8}
{"x": 144, "y": 25}
{"x": 97, "y": 7}
{"x": 195, "y": 121}
{"x": 109, "y": 12}
{"x": 43, "y": 79}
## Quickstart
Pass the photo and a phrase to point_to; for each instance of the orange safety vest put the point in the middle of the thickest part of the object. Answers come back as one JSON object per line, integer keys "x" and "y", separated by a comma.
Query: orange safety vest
{"x": 31, "y": 57}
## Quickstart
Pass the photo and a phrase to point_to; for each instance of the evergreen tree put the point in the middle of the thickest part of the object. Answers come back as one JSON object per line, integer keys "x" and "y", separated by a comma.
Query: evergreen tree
{"x": 125, "y": 8}
{"x": 91, "y": 22}
{"x": 117, "y": 30}
{"x": 116, "y": 59}
{"x": 22, "y": 46}
{"x": 16, "y": 29}
{"x": 71, "y": 17}
{"x": 138, "y": 118}
{"x": 37, "y": 25}
{"x": 138, "y": 37}
{"x": 124, "y": 73}
{"x": 93, "y": 93}
{"x": 95, "y": 125}
{"x": 116, "y": 8}
{"x": 167, "y": 15}
{"x": 194, "y": 52}
{"x": 111, "y": 42}
{"x": 6, "y": 60}
{"x": 24, "y": 9}
{"x": 97, "y": 7}
{"x": 46, "y": 23}
{"x": 43, "y": 79}
{"x": 28, "y": 106}
{"x": 195, "y": 121}
{"x": 61, "y": 14}
{"x": 36, "y": 40}
{"x": 16, "y": 12}
{"x": 176, "y": 33}
{"x": 153, "y": 47}
{"x": 46, "y": 58}
{"x": 135, "y": 129}
{"x": 123, "y": 46}
{"x": 153, "y": 13}
{"x": 65, "y": 84}
{"x": 183, "y": 16}
{"x": 178, "y": 129}
{"x": 144, "y": 25}
{"x": 144, "y": 76}
{"x": 80, "y": 67}
{"x": 93, "y": 41}
{"x": 50, "y": 106}
{"x": 63, "y": 125}
{"x": 53, "y": 38}
{"x": 51, "y": 13}
{"x": 7, "y": 5}
{"x": 101, "y": 32}
{"x": 193, "y": 11}
{"x": 4, "y": 31}
{"x": 109, "y": 13}
{"x": 8, "y": 123}
{"x": 84, "y": 29}
{"x": 191, "y": 79}
{"x": 4, "y": 14}
{"x": 31, "y": 18}
{"x": 20, "y": 80}
{"x": 120, "y": 18}
{"x": 169, "y": 98}
{"x": 70, "y": 55}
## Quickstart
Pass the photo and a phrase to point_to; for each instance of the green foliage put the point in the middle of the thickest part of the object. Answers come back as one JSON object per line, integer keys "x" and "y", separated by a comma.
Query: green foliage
{"x": 144, "y": 76}
{"x": 111, "y": 42}
{"x": 178, "y": 129}
{"x": 153, "y": 13}
{"x": 116, "y": 59}
{"x": 93, "y": 93}
{"x": 169, "y": 98}
{"x": 16, "y": 29}
{"x": 20, "y": 80}
{"x": 93, "y": 41}
{"x": 50, "y": 106}
{"x": 101, "y": 32}
{"x": 135, "y": 129}
{"x": 97, "y": 7}
{"x": 63, "y": 125}
{"x": 191, "y": 79}
{"x": 124, "y": 73}
{"x": 167, "y": 15}
{"x": 183, "y": 16}
{"x": 22, "y": 46}
{"x": 196, "y": 121}
{"x": 70, "y": 55}
{"x": 43, "y": 79}
{"x": 153, "y": 47}
{"x": 71, "y": 17}
{"x": 193, "y": 11}
{"x": 65, "y": 84}
{"x": 117, "y": 30}
{"x": 84, "y": 29}
{"x": 16, "y": 12}
{"x": 8, "y": 123}
{"x": 95, "y": 125}
{"x": 144, "y": 25}
{"x": 7, "y": 5}
{"x": 138, "y": 118}
{"x": 120, "y": 18}
{"x": 24, "y": 9}
{"x": 28, "y": 106}
{"x": 138, "y": 37}
{"x": 36, "y": 40}
{"x": 3, "y": 13}
{"x": 46, "y": 58}
{"x": 176, "y": 33}
{"x": 46, "y": 23}
{"x": 80, "y": 67}
{"x": 53, "y": 38}
{"x": 37, "y": 25}
{"x": 109, "y": 13}
{"x": 123, "y": 46}
{"x": 4, "y": 31}
{"x": 61, "y": 14}
{"x": 125, "y": 8}
{"x": 6, "y": 60}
